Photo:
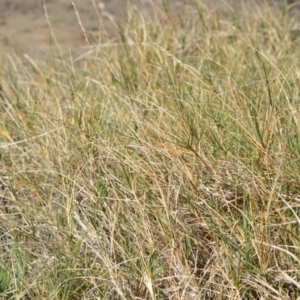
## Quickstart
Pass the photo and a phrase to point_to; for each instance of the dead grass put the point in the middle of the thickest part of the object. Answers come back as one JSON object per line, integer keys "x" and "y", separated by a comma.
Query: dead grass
{"x": 165, "y": 166}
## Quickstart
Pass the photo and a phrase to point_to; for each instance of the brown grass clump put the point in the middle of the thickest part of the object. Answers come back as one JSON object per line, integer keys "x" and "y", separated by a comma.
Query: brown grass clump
{"x": 165, "y": 166}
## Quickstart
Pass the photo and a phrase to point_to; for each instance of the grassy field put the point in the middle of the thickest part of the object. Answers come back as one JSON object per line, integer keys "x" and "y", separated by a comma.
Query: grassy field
{"x": 164, "y": 165}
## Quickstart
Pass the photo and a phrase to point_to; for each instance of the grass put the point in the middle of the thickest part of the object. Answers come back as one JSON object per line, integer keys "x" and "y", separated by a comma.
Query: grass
{"x": 162, "y": 166}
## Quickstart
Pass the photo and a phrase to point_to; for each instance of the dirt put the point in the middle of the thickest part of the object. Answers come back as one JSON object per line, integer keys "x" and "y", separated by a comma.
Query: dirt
{"x": 31, "y": 26}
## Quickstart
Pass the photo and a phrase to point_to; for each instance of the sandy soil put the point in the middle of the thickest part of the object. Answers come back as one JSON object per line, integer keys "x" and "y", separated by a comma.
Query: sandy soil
{"x": 25, "y": 29}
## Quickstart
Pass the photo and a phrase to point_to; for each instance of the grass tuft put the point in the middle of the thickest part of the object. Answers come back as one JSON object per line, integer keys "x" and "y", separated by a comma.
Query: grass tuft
{"x": 162, "y": 166}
